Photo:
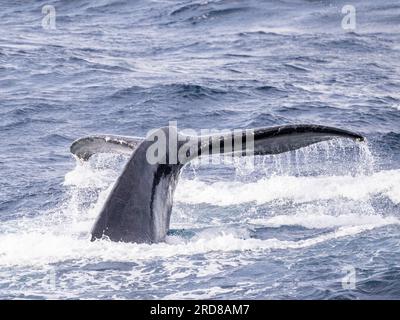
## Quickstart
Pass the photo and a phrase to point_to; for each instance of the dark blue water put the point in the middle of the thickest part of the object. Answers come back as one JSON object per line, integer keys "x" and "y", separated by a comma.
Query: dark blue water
{"x": 291, "y": 226}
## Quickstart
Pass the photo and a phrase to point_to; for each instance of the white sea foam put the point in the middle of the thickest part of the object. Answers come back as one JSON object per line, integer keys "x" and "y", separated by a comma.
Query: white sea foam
{"x": 207, "y": 293}
{"x": 297, "y": 189}
{"x": 63, "y": 233}
{"x": 314, "y": 220}
{"x": 41, "y": 248}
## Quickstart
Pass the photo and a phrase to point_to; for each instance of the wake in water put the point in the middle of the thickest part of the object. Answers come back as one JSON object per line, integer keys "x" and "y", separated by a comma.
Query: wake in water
{"x": 342, "y": 203}
{"x": 279, "y": 204}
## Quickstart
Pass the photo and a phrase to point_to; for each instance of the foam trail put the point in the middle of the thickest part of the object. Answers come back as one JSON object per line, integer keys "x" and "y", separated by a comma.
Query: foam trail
{"x": 36, "y": 249}
{"x": 62, "y": 234}
{"x": 296, "y": 189}
{"x": 318, "y": 220}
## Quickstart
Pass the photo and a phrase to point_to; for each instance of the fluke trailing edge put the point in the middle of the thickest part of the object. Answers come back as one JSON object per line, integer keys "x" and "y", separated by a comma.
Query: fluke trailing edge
{"x": 138, "y": 208}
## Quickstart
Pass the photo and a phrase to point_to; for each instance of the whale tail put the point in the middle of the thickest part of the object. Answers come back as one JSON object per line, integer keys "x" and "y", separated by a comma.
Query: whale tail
{"x": 86, "y": 147}
{"x": 138, "y": 208}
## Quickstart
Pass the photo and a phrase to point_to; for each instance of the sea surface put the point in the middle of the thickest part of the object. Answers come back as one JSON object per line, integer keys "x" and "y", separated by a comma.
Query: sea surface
{"x": 319, "y": 223}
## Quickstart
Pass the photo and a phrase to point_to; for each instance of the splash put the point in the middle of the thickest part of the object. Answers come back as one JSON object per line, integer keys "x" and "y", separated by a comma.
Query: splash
{"x": 291, "y": 188}
{"x": 63, "y": 234}
{"x": 326, "y": 171}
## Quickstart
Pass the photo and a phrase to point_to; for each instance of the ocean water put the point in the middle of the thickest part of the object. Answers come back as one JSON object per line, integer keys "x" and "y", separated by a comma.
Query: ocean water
{"x": 319, "y": 223}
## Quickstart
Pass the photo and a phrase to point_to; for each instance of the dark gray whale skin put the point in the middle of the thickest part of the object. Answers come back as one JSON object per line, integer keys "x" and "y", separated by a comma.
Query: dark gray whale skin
{"x": 138, "y": 208}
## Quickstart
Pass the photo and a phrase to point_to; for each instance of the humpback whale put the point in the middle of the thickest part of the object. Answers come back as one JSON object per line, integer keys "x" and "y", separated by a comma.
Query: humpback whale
{"x": 138, "y": 209}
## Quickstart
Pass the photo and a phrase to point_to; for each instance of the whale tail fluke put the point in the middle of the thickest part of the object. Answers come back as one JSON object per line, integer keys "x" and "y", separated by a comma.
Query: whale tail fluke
{"x": 138, "y": 208}
{"x": 86, "y": 147}
{"x": 275, "y": 140}
{"x": 272, "y": 140}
